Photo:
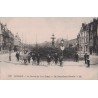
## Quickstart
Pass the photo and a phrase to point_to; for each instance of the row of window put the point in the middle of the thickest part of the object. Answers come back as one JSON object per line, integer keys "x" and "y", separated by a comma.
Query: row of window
{"x": 83, "y": 48}
{"x": 84, "y": 40}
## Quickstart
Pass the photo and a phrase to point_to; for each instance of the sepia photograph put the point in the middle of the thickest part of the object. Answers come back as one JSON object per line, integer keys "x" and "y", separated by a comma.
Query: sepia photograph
{"x": 48, "y": 48}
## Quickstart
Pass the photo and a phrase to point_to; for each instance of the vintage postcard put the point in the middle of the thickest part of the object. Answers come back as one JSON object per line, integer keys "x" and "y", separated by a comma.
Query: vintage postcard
{"x": 48, "y": 48}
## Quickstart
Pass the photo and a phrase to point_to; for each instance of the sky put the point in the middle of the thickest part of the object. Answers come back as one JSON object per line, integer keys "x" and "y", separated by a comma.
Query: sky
{"x": 41, "y": 29}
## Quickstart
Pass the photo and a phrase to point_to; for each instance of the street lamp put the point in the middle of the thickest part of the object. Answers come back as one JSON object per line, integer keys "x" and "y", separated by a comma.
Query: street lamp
{"x": 53, "y": 40}
{"x": 62, "y": 46}
{"x": 62, "y": 41}
{"x": 76, "y": 46}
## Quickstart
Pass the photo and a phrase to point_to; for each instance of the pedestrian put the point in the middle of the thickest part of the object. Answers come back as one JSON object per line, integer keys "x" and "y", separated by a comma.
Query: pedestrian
{"x": 17, "y": 55}
{"x": 25, "y": 57}
{"x": 33, "y": 56}
{"x": 29, "y": 57}
{"x": 88, "y": 60}
{"x": 38, "y": 59}
{"x": 48, "y": 59}
{"x": 76, "y": 57}
{"x": 85, "y": 58}
{"x": 61, "y": 60}
{"x": 56, "y": 58}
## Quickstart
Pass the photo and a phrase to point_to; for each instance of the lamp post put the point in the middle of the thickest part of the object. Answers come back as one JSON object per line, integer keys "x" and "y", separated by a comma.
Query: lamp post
{"x": 76, "y": 46}
{"x": 62, "y": 46}
{"x": 10, "y": 51}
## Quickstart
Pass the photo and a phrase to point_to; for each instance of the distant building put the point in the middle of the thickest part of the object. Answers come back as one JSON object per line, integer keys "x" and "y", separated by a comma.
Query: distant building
{"x": 72, "y": 42}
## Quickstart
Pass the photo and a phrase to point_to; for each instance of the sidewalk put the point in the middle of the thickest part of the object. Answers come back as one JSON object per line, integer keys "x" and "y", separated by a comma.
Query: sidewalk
{"x": 5, "y": 57}
{"x": 94, "y": 59}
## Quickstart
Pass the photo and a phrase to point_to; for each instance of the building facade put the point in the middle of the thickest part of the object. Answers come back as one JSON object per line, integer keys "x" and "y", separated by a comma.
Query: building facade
{"x": 6, "y": 39}
{"x": 88, "y": 38}
{"x": 83, "y": 39}
{"x": 94, "y": 37}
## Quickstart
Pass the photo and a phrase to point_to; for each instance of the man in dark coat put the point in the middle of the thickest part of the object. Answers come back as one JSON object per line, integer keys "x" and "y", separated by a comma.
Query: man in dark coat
{"x": 76, "y": 57}
{"x": 88, "y": 60}
{"x": 33, "y": 58}
{"x": 29, "y": 57}
{"x": 61, "y": 60}
{"x": 48, "y": 59}
{"x": 85, "y": 58}
{"x": 56, "y": 58}
{"x": 17, "y": 55}
{"x": 38, "y": 59}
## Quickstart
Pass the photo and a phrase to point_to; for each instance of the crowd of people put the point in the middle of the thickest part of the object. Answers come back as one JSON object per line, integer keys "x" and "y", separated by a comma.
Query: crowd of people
{"x": 36, "y": 58}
